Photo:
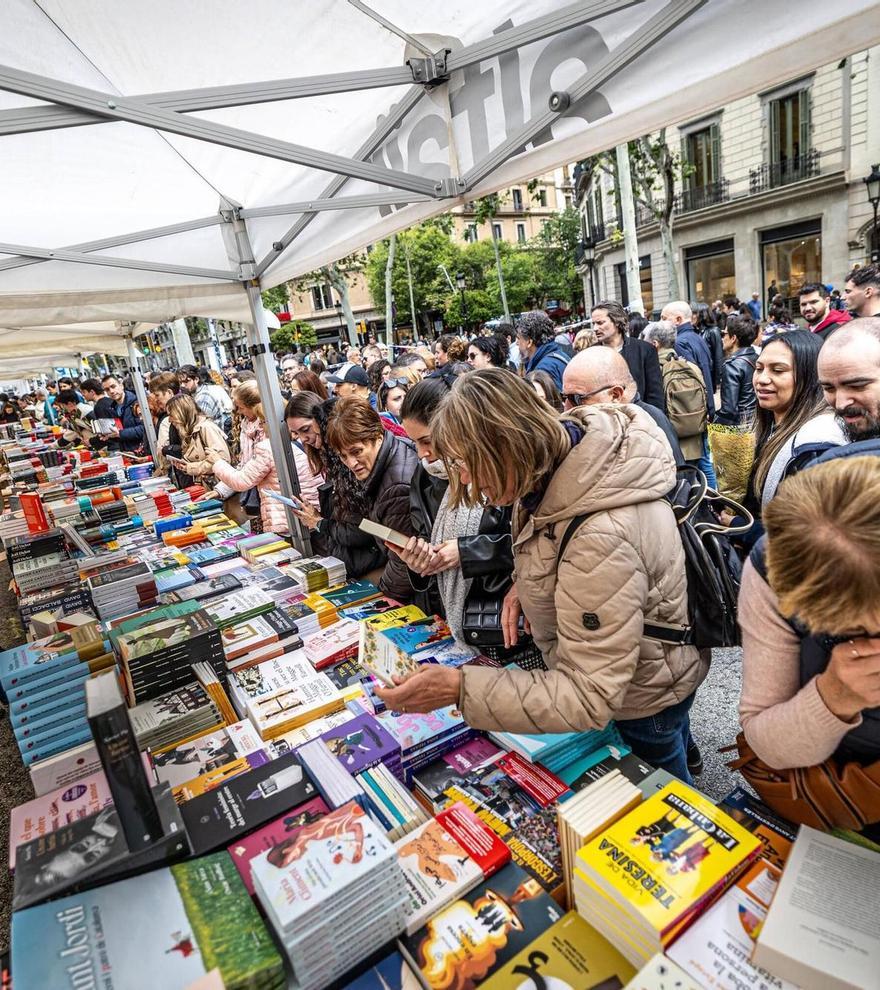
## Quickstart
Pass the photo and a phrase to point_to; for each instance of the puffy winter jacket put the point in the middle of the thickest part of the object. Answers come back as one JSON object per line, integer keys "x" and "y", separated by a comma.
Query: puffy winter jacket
{"x": 737, "y": 388}
{"x": 387, "y": 489}
{"x": 623, "y": 566}
{"x": 552, "y": 358}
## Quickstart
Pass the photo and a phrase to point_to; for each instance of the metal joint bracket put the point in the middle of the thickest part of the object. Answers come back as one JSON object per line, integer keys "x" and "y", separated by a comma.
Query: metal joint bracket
{"x": 247, "y": 271}
{"x": 430, "y": 71}
{"x": 256, "y": 349}
{"x": 446, "y": 188}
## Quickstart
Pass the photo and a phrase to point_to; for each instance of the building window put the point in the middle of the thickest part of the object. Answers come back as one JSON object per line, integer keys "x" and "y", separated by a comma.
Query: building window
{"x": 647, "y": 285}
{"x": 711, "y": 272}
{"x": 790, "y": 157}
{"x": 521, "y": 233}
{"x": 322, "y": 298}
{"x": 792, "y": 256}
{"x": 542, "y": 198}
{"x": 517, "y": 200}
{"x": 702, "y": 154}
{"x": 470, "y": 233}
{"x": 497, "y": 232}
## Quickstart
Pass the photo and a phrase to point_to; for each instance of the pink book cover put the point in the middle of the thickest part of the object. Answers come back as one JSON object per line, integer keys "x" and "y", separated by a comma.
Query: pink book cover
{"x": 275, "y": 835}
{"x": 57, "y": 808}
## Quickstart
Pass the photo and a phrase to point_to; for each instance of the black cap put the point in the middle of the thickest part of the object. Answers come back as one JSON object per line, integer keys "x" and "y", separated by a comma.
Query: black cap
{"x": 355, "y": 374}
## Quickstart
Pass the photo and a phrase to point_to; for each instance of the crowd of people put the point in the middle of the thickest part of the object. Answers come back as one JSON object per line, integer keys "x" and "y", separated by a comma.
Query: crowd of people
{"x": 529, "y": 473}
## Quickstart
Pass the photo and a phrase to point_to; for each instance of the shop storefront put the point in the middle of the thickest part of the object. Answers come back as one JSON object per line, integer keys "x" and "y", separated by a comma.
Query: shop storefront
{"x": 711, "y": 271}
{"x": 791, "y": 256}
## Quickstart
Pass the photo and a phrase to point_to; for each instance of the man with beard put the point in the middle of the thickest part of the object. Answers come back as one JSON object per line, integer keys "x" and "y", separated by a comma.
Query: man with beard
{"x": 815, "y": 307}
{"x": 849, "y": 373}
{"x": 862, "y": 291}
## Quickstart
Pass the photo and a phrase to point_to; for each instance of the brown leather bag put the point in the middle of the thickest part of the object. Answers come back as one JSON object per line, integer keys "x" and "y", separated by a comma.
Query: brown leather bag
{"x": 829, "y": 795}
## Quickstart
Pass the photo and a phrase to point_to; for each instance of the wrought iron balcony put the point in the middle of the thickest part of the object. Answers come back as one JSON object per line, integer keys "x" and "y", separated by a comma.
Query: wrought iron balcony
{"x": 772, "y": 176}
{"x": 699, "y": 197}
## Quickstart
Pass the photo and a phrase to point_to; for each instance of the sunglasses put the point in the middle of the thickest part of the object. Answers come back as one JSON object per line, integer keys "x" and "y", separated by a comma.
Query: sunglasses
{"x": 575, "y": 399}
{"x": 396, "y": 383}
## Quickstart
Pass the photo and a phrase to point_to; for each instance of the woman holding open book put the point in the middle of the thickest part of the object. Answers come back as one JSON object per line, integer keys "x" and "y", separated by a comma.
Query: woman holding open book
{"x": 597, "y": 559}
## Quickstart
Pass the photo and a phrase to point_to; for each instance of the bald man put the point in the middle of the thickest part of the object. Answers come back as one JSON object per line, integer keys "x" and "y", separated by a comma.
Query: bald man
{"x": 849, "y": 373}
{"x": 601, "y": 374}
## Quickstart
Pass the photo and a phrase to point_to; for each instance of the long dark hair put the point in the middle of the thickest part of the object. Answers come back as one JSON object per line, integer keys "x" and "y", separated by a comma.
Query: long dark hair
{"x": 548, "y": 386}
{"x": 423, "y": 400}
{"x": 349, "y": 497}
{"x": 806, "y": 402}
{"x": 495, "y": 346}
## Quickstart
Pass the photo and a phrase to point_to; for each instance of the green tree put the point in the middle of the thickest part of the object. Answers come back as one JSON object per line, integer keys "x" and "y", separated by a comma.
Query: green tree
{"x": 297, "y": 333}
{"x": 480, "y": 308}
{"x": 554, "y": 253}
{"x": 276, "y": 299}
{"x": 337, "y": 275}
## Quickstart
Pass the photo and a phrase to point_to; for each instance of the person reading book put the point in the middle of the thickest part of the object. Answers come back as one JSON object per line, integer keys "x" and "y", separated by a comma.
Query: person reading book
{"x": 595, "y": 479}
{"x": 199, "y": 438}
{"x": 811, "y": 684}
{"x": 384, "y": 465}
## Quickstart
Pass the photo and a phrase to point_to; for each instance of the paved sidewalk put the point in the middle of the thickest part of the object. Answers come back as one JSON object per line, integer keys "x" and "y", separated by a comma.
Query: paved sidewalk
{"x": 715, "y": 721}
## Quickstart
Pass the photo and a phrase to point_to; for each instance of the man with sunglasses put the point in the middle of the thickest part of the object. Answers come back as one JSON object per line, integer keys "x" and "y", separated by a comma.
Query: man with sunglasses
{"x": 600, "y": 374}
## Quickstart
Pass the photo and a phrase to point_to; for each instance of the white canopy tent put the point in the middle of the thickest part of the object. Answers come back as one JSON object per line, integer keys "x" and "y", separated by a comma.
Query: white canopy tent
{"x": 150, "y": 171}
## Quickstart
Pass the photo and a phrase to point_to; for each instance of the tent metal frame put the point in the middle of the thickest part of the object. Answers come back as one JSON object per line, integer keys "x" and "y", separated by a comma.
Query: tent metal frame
{"x": 73, "y": 106}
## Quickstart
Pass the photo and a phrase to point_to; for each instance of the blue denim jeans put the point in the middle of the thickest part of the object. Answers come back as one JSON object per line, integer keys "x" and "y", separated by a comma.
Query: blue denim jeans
{"x": 704, "y": 464}
{"x": 662, "y": 739}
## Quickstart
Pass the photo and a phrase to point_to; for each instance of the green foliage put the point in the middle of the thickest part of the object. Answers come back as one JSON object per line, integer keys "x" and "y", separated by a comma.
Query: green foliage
{"x": 297, "y": 333}
{"x": 276, "y": 299}
{"x": 554, "y": 263}
{"x": 479, "y": 308}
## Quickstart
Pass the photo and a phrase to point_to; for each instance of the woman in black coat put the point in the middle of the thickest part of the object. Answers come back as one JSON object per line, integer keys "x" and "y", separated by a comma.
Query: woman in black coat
{"x": 460, "y": 555}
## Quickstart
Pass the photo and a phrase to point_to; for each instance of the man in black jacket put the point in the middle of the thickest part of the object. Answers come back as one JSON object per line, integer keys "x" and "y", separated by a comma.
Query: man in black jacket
{"x": 131, "y": 435}
{"x": 737, "y": 387}
{"x": 611, "y": 323}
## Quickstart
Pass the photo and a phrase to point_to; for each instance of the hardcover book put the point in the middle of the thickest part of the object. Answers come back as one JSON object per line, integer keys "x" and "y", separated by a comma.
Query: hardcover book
{"x": 475, "y": 935}
{"x": 362, "y": 743}
{"x": 174, "y": 924}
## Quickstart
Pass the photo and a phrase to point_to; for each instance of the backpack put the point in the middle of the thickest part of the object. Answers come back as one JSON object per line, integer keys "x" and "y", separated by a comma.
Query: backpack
{"x": 685, "y": 393}
{"x": 712, "y": 565}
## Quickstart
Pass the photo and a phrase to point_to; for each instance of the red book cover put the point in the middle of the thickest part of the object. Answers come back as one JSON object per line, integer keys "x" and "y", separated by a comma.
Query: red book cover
{"x": 475, "y": 837}
{"x": 34, "y": 514}
{"x": 535, "y": 780}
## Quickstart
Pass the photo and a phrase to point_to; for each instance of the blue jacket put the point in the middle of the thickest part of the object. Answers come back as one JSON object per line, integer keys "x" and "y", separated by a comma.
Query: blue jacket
{"x": 549, "y": 357}
{"x": 691, "y": 346}
{"x": 132, "y": 434}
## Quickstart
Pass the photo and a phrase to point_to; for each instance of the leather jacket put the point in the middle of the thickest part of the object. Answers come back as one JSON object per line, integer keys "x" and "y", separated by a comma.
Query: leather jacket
{"x": 712, "y": 336}
{"x": 737, "y": 388}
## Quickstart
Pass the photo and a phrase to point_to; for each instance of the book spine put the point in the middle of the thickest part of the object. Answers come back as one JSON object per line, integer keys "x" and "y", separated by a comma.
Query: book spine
{"x": 132, "y": 796}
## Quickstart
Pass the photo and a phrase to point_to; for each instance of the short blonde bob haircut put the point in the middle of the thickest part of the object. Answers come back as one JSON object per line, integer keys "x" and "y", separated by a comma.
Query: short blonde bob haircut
{"x": 502, "y": 432}
{"x": 823, "y": 546}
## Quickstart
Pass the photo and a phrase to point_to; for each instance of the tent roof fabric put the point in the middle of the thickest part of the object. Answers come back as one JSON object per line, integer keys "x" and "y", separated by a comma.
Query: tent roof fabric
{"x": 156, "y": 117}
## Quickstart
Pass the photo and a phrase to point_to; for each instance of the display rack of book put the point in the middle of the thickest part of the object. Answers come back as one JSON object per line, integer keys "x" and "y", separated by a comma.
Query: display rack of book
{"x": 223, "y": 800}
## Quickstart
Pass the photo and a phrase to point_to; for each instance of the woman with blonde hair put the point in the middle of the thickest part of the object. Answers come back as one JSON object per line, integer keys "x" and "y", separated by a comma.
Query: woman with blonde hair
{"x": 585, "y": 338}
{"x": 598, "y": 564}
{"x": 257, "y": 468}
{"x": 201, "y": 440}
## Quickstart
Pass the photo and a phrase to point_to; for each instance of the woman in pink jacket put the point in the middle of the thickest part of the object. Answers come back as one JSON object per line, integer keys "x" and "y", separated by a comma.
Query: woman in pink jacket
{"x": 257, "y": 466}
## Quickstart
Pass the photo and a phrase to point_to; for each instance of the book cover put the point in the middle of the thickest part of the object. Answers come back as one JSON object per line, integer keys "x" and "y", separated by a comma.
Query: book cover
{"x": 274, "y": 838}
{"x": 661, "y": 973}
{"x": 242, "y": 637}
{"x": 475, "y": 837}
{"x": 174, "y": 924}
{"x": 59, "y": 807}
{"x": 351, "y": 594}
{"x": 246, "y": 802}
{"x": 64, "y": 769}
{"x": 362, "y": 743}
{"x": 433, "y": 779}
{"x": 445, "y": 652}
{"x": 336, "y": 642}
{"x": 168, "y": 709}
{"x": 211, "y": 779}
{"x": 392, "y": 972}
{"x": 205, "y": 590}
{"x": 338, "y": 849}
{"x": 715, "y": 950}
{"x": 475, "y": 935}
{"x": 667, "y": 856}
{"x": 436, "y": 869}
{"x": 345, "y": 673}
{"x": 205, "y": 753}
{"x": 776, "y": 834}
{"x": 367, "y": 610}
{"x": 570, "y": 953}
{"x": 417, "y": 730}
{"x": 822, "y": 931}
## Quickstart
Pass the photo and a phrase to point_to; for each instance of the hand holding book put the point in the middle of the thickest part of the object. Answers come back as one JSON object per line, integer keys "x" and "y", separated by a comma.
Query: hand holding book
{"x": 425, "y": 690}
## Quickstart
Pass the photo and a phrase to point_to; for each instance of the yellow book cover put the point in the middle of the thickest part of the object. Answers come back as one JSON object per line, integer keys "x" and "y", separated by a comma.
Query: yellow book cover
{"x": 261, "y": 551}
{"x": 570, "y": 953}
{"x": 668, "y": 855}
{"x": 368, "y": 644}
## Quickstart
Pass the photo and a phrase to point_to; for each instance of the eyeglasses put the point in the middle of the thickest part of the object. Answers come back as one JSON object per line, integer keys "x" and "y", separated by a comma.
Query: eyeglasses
{"x": 575, "y": 399}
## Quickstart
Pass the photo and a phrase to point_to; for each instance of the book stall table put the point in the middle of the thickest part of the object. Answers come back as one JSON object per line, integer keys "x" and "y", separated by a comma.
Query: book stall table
{"x": 220, "y": 799}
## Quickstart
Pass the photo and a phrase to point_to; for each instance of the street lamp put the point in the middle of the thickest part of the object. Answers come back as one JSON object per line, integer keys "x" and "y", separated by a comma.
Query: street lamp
{"x": 460, "y": 284}
{"x": 872, "y": 184}
{"x": 338, "y": 306}
{"x": 589, "y": 247}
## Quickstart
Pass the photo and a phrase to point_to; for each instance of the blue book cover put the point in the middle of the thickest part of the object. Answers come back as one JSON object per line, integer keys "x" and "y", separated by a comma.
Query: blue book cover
{"x": 30, "y": 660}
{"x": 162, "y": 929}
{"x": 35, "y": 751}
{"x": 35, "y": 704}
{"x": 416, "y": 636}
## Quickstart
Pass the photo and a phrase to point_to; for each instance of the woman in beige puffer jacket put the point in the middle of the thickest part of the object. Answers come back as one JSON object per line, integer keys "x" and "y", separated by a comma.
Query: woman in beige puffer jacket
{"x": 623, "y": 566}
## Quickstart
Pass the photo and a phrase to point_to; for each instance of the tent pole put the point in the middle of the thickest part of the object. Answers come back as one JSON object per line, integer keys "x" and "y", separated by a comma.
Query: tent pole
{"x": 141, "y": 393}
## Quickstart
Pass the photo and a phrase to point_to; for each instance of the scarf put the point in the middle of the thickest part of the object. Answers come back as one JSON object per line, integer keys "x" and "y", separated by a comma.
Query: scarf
{"x": 451, "y": 524}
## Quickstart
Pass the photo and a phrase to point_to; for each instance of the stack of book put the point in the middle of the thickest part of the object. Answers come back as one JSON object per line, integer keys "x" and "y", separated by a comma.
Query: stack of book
{"x": 556, "y": 751}
{"x": 326, "y": 611}
{"x": 264, "y": 637}
{"x": 47, "y": 571}
{"x": 335, "y": 785}
{"x": 337, "y": 642}
{"x": 283, "y": 693}
{"x": 431, "y": 781}
{"x": 352, "y": 885}
{"x": 317, "y": 573}
{"x": 389, "y": 802}
{"x": 643, "y": 879}
{"x": 157, "y": 656}
{"x": 122, "y": 590}
{"x": 592, "y": 809}
{"x": 174, "y": 716}
{"x": 239, "y": 606}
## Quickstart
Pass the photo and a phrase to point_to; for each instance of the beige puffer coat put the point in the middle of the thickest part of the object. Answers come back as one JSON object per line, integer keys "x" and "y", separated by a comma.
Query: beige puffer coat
{"x": 623, "y": 566}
